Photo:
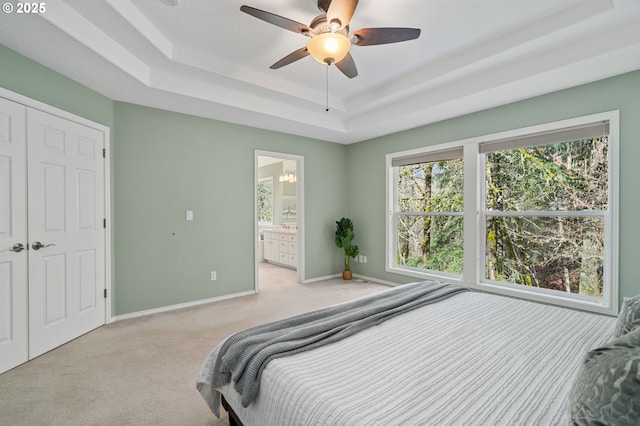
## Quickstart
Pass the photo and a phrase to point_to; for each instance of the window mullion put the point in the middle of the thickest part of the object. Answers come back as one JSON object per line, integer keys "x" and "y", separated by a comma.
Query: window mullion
{"x": 524, "y": 213}
{"x": 472, "y": 197}
{"x": 430, "y": 214}
{"x": 392, "y": 234}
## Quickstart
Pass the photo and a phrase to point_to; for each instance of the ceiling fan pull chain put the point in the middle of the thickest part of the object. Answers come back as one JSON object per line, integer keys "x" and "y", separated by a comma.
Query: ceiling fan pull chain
{"x": 327, "y": 107}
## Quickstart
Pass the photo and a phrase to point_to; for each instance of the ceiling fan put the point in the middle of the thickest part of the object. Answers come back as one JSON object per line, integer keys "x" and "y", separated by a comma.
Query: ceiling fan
{"x": 330, "y": 39}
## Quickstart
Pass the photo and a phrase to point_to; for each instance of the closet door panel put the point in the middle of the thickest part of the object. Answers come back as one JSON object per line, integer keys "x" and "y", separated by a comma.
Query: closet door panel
{"x": 66, "y": 207}
{"x": 13, "y": 261}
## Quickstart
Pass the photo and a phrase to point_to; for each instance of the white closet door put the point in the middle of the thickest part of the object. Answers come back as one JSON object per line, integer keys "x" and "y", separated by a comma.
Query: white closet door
{"x": 13, "y": 262}
{"x": 66, "y": 207}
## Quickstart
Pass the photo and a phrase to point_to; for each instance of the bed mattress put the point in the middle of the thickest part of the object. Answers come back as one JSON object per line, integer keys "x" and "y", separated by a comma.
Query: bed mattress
{"x": 472, "y": 359}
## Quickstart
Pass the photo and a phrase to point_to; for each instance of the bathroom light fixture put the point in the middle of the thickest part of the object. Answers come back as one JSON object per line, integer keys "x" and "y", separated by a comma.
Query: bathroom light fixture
{"x": 288, "y": 176}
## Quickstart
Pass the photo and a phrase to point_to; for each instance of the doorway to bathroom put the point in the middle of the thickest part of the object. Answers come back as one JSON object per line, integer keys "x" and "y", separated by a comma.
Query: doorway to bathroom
{"x": 279, "y": 218}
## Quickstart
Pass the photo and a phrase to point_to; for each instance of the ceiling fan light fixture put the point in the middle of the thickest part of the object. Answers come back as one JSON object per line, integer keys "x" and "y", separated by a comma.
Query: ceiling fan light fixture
{"x": 329, "y": 48}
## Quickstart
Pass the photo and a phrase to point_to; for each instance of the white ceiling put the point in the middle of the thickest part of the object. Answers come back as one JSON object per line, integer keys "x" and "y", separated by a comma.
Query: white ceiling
{"x": 207, "y": 58}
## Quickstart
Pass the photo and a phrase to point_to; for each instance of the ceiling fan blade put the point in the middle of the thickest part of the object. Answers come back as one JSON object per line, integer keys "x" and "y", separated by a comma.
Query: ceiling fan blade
{"x": 348, "y": 66}
{"x": 341, "y": 11}
{"x": 372, "y": 36}
{"x": 277, "y": 20}
{"x": 291, "y": 57}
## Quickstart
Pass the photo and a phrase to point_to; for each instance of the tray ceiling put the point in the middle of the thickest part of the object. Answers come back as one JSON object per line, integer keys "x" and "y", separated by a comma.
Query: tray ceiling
{"x": 209, "y": 59}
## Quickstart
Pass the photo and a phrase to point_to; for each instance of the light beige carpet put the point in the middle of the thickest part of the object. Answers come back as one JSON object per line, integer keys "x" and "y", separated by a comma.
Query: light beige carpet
{"x": 142, "y": 371}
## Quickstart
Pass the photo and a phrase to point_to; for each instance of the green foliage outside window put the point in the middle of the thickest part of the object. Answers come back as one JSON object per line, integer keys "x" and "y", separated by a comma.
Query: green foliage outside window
{"x": 563, "y": 253}
{"x": 427, "y": 241}
{"x": 544, "y": 222}
{"x": 265, "y": 201}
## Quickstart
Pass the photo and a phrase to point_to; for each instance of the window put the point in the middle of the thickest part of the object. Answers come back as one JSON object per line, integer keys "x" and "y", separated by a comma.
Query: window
{"x": 428, "y": 213}
{"x": 265, "y": 200}
{"x": 538, "y": 220}
{"x": 545, "y": 210}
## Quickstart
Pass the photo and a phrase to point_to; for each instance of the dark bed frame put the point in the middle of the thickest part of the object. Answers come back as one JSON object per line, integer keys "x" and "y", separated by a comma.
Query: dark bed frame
{"x": 234, "y": 420}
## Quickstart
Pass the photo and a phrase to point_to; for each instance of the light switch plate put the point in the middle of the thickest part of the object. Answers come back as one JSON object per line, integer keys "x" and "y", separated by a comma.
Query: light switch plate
{"x": 189, "y": 215}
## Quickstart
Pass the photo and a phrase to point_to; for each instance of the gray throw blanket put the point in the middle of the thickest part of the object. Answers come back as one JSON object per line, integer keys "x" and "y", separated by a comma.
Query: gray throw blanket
{"x": 244, "y": 355}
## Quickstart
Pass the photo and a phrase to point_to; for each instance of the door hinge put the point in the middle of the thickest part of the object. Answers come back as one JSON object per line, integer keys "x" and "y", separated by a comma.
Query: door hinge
{"x": 104, "y": 152}
{"x": 104, "y": 223}
{"x": 105, "y": 293}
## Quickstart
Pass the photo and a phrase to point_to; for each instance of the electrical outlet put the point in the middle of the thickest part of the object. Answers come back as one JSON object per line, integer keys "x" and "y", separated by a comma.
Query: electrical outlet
{"x": 361, "y": 258}
{"x": 214, "y": 276}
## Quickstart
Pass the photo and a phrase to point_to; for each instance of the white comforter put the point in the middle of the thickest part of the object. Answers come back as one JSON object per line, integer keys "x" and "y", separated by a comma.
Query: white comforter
{"x": 473, "y": 359}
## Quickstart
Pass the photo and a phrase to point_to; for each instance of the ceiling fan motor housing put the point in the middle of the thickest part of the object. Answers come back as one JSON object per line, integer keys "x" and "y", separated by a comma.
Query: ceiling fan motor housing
{"x": 320, "y": 25}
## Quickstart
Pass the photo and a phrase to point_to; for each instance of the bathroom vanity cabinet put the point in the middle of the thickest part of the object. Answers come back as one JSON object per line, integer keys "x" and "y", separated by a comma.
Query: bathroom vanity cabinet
{"x": 281, "y": 248}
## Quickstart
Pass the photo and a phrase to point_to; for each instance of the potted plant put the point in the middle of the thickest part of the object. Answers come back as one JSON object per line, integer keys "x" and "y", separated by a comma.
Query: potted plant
{"x": 344, "y": 238}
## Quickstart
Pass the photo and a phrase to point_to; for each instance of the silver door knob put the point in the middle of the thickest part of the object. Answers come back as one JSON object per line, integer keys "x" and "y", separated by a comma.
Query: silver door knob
{"x": 38, "y": 245}
{"x": 18, "y": 247}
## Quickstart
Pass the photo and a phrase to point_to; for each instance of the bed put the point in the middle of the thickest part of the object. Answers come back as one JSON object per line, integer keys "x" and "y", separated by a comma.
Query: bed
{"x": 472, "y": 358}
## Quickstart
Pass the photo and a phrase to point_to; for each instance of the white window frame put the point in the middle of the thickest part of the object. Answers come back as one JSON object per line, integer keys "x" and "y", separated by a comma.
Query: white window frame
{"x": 435, "y": 153}
{"x": 475, "y": 219}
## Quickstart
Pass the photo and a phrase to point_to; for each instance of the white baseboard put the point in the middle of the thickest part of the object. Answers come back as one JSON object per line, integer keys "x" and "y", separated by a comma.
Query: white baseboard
{"x": 235, "y": 295}
{"x": 326, "y": 277}
{"x": 355, "y": 276}
{"x": 374, "y": 280}
{"x": 180, "y": 306}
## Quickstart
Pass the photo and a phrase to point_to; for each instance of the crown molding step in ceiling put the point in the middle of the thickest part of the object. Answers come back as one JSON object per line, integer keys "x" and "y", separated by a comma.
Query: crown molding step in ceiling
{"x": 427, "y": 61}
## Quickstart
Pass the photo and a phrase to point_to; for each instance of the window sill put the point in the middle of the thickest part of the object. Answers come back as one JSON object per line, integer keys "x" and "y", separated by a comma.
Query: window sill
{"x": 426, "y": 275}
{"x": 585, "y": 304}
{"x": 506, "y": 290}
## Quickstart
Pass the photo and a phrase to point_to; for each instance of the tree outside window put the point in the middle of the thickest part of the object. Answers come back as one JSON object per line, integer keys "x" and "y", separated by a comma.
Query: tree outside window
{"x": 429, "y": 223}
{"x": 544, "y": 211}
{"x": 265, "y": 200}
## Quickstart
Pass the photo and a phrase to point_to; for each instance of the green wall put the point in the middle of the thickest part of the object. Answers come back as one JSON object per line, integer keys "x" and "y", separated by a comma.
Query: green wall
{"x": 367, "y": 163}
{"x": 22, "y": 75}
{"x": 166, "y": 163}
